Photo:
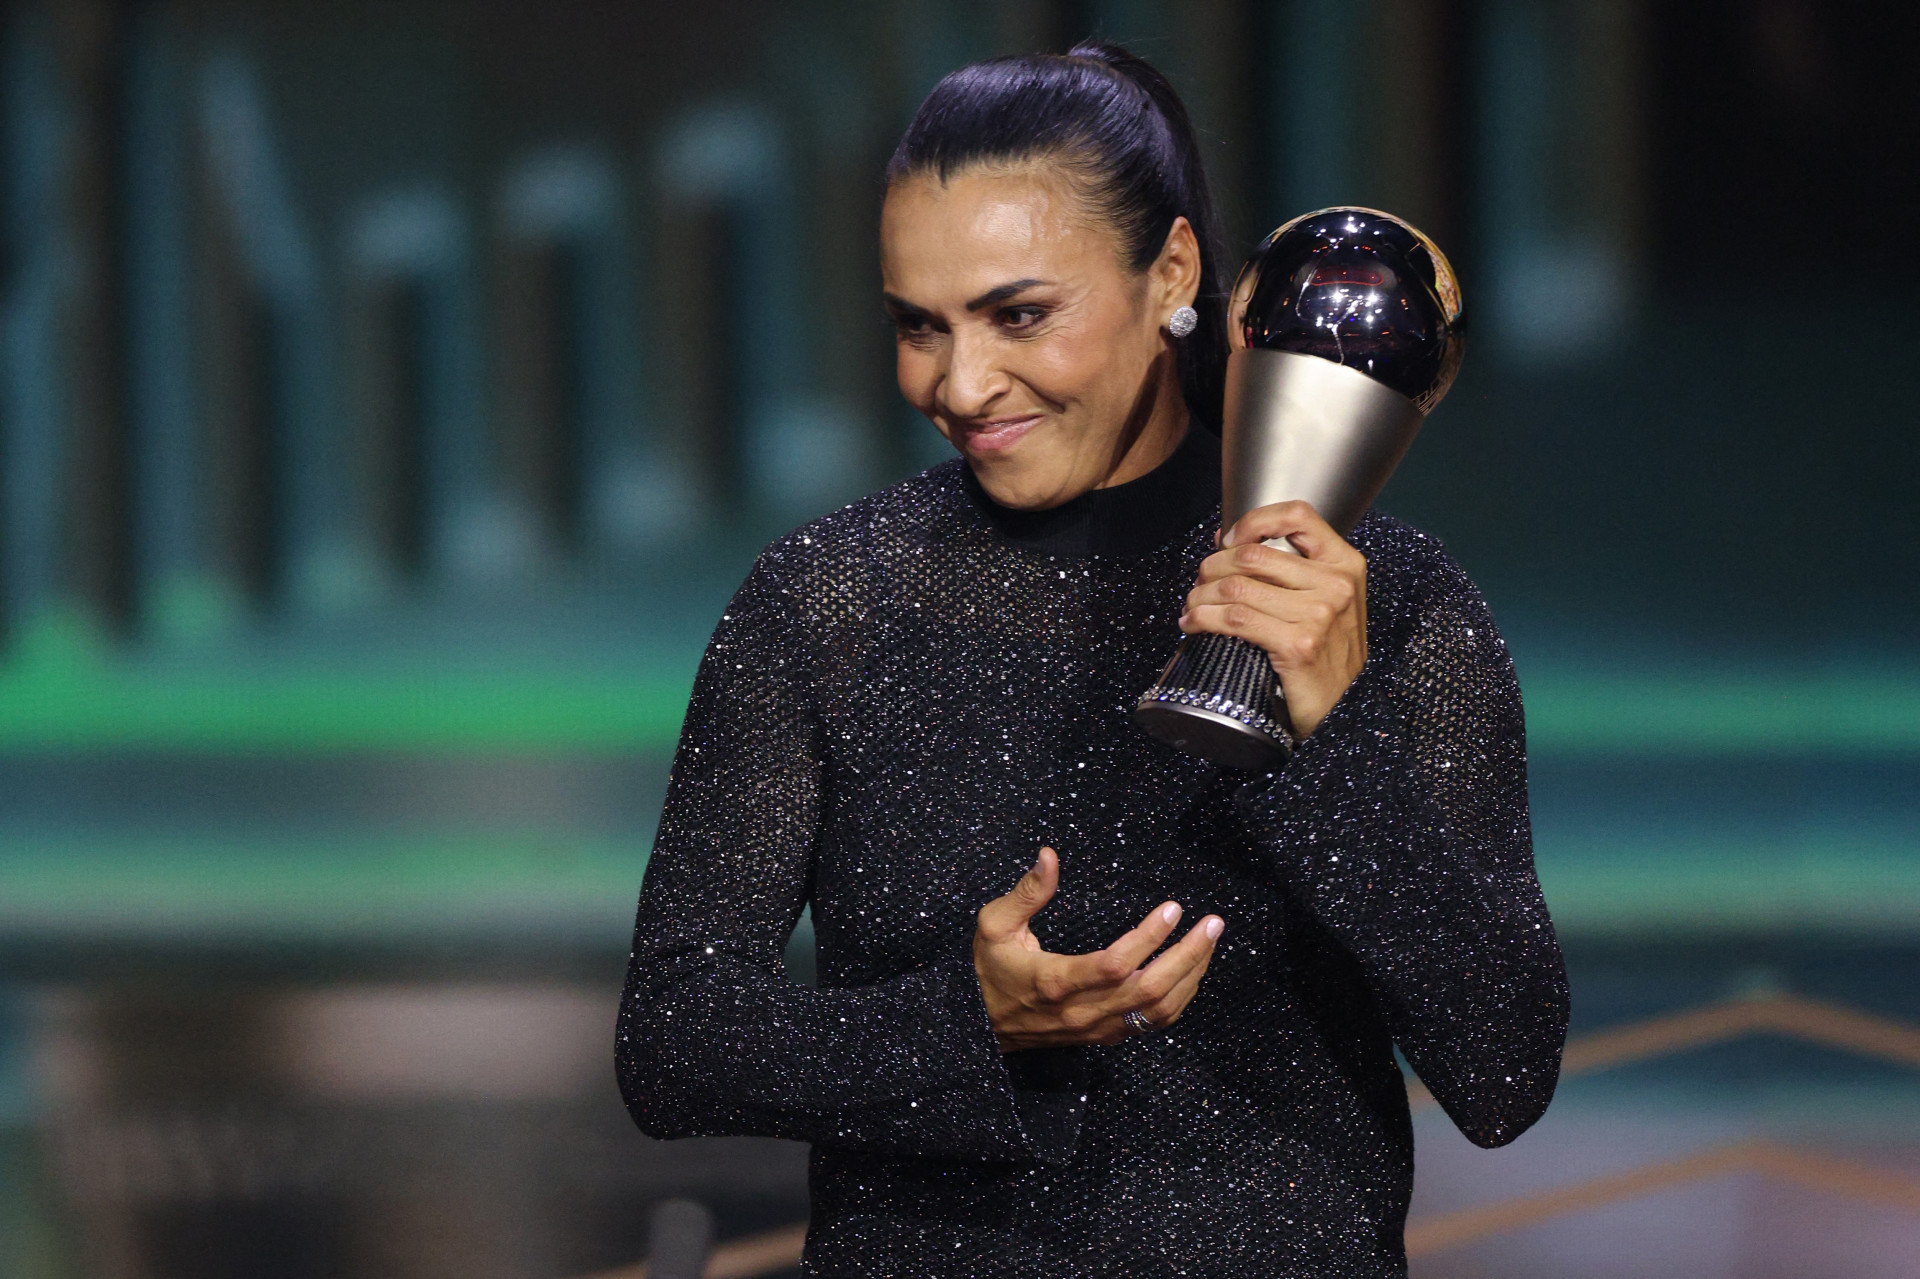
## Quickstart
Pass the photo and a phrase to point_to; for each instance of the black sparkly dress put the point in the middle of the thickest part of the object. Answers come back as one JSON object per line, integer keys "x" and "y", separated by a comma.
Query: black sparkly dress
{"x": 906, "y": 699}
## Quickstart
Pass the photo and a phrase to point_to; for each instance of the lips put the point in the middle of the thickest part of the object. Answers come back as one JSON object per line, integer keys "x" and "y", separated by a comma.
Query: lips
{"x": 998, "y": 433}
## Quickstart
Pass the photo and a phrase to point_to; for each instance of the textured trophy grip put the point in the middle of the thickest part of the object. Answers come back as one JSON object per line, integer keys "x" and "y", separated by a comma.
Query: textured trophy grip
{"x": 1218, "y": 699}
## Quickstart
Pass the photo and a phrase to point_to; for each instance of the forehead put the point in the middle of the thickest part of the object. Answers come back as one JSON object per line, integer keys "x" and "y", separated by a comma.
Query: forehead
{"x": 982, "y": 227}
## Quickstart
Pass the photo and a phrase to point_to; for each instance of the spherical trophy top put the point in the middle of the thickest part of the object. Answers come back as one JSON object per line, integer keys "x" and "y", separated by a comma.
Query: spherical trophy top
{"x": 1358, "y": 287}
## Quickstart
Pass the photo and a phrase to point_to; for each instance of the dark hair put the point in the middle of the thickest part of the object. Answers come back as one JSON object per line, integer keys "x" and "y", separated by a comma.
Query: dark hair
{"x": 1117, "y": 123}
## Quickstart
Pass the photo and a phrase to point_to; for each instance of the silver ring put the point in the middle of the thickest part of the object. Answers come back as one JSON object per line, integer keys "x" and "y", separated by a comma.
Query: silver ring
{"x": 1136, "y": 1020}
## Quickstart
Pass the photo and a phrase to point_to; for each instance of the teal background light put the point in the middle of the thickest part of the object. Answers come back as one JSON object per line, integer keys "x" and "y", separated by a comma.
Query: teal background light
{"x": 392, "y": 395}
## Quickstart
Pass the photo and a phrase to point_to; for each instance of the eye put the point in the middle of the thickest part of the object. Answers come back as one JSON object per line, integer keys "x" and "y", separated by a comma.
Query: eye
{"x": 1019, "y": 318}
{"x": 909, "y": 327}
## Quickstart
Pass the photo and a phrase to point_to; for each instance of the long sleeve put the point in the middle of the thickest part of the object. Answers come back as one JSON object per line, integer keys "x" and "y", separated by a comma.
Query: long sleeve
{"x": 1402, "y": 824}
{"x": 713, "y": 1037}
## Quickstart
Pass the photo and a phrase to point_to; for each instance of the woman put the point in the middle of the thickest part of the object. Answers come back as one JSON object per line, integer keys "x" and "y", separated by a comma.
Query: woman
{"x": 909, "y": 695}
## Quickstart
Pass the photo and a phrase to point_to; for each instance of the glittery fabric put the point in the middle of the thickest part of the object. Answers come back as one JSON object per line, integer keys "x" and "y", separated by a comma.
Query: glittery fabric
{"x": 902, "y": 703}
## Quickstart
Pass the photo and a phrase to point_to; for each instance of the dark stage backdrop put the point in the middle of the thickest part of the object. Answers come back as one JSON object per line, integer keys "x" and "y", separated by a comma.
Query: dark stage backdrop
{"x": 392, "y": 393}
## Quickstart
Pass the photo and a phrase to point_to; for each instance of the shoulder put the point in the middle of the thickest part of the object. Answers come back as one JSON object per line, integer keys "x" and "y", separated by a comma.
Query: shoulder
{"x": 1410, "y": 575}
{"x": 831, "y": 563}
{"x": 1394, "y": 545}
{"x": 908, "y": 511}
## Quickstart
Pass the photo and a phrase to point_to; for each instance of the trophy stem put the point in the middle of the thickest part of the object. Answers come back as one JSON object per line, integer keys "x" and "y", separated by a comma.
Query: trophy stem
{"x": 1218, "y": 699}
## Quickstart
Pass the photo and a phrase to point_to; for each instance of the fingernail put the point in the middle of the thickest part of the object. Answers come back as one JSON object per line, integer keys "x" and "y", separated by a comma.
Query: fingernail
{"x": 1183, "y": 620}
{"x": 1170, "y": 911}
{"x": 1215, "y": 926}
{"x": 1226, "y": 539}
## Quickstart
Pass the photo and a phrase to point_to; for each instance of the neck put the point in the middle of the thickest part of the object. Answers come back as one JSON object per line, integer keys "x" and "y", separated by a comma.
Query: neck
{"x": 1153, "y": 430}
{"x": 1148, "y": 452}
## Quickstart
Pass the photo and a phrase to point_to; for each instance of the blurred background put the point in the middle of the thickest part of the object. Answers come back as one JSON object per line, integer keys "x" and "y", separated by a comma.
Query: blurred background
{"x": 391, "y": 395}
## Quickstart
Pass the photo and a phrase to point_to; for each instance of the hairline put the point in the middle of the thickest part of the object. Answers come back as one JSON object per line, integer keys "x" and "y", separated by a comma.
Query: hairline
{"x": 1080, "y": 179}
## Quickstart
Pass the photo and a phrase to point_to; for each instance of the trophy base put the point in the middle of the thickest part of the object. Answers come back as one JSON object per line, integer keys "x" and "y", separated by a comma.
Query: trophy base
{"x": 1217, "y": 699}
{"x": 1218, "y": 738}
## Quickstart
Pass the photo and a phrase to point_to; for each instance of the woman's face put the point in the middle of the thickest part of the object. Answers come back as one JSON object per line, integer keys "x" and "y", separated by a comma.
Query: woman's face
{"x": 1024, "y": 338}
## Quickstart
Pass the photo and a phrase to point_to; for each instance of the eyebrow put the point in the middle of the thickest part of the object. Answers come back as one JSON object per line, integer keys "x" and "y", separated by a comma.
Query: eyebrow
{"x": 900, "y": 306}
{"x": 1002, "y": 293}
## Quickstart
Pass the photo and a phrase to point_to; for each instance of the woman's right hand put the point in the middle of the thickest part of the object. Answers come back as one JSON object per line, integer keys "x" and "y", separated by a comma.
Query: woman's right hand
{"x": 1037, "y": 999}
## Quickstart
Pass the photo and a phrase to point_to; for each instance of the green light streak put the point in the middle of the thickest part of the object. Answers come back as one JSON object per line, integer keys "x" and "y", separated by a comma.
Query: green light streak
{"x": 65, "y": 691}
{"x": 1822, "y": 880}
{"x": 1725, "y": 713}
{"x": 349, "y": 887}
{"x": 444, "y": 711}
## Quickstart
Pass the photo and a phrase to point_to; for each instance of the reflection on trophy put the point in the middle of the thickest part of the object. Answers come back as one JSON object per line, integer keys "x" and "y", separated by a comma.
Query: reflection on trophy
{"x": 1346, "y": 330}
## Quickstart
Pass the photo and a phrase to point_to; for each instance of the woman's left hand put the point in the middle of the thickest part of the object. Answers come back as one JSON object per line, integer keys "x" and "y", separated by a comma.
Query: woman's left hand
{"x": 1308, "y": 611}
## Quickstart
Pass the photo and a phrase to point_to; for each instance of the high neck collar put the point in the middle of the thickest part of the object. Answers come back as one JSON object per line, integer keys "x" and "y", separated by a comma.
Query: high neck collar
{"x": 1126, "y": 519}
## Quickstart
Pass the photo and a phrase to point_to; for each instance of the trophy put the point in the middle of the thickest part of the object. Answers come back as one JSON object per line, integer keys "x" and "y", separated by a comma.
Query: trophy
{"x": 1345, "y": 328}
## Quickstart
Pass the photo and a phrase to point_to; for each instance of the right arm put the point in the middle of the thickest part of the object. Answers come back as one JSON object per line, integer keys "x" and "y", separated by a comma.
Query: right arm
{"x": 713, "y": 1038}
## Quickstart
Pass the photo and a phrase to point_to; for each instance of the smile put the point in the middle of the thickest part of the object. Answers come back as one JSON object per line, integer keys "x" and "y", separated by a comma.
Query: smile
{"x": 997, "y": 434}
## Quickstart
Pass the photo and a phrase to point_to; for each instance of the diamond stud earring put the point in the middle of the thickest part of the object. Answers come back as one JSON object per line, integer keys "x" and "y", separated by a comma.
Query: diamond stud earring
{"x": 1183, "y": 321}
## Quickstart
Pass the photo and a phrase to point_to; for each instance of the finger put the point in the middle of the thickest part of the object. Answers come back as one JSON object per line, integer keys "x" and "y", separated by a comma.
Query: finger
{"x": 1174, "y": 1002}
{"x": 1130, "y": 949}
{"x": 1113, "y": 965}
{"x": 1271, "y": 564}
{"x": 1004, "y": 917}
{"x": 1316, "y": 607}
{"x": 1284, "y": 640}
{"x": 1274, "y": 521}
{"x": 1168, "y": 1010}
{"x": 1297, "y": 522}
{"x": 1186, "y": 958}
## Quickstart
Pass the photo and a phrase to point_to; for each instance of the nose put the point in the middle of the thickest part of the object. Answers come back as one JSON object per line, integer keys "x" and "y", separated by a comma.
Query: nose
{"x": 975, "y": 378}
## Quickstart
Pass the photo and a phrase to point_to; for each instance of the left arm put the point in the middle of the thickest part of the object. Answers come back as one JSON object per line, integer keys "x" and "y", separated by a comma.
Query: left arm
{"x": 1401, "y": 820}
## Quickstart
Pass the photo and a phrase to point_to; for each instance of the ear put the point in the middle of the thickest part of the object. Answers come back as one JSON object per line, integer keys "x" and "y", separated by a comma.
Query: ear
{"x": 1174, "y": 277}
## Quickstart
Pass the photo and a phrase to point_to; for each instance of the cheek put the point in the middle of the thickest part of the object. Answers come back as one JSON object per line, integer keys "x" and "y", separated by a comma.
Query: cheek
{"x": 1072, "y": 368}
{"x": 916, "y": 374}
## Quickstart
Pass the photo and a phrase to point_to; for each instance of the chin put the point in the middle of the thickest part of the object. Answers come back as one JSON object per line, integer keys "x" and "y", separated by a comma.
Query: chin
{"x": 1027, "y": 475}
{"x": 1024, "y": 488}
